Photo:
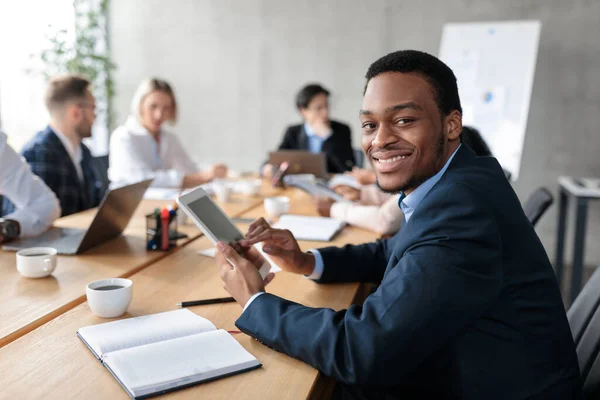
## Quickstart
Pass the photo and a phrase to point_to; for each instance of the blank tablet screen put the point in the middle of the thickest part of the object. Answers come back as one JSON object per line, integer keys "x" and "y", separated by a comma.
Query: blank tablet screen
{"x": 215, "y": 220}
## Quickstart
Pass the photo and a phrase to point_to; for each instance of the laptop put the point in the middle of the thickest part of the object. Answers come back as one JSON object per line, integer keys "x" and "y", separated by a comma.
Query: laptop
{"x": 301, "y": 162}
{"x": 114, "y": 213}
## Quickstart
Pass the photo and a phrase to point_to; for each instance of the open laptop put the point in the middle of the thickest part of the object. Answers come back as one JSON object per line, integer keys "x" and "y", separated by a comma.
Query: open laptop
{"x": 301, "y": 162}
{"x": 114, "y": 213}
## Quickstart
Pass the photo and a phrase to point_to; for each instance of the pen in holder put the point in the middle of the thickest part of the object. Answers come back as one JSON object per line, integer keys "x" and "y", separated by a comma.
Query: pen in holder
{"x": 161, "y": 229}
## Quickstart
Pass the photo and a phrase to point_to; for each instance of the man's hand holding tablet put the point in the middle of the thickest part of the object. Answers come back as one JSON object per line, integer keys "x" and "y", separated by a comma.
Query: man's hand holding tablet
{"x": 215, "y": 224}
{"x": 240, "y": 274}
{"x": 281, "y": 246}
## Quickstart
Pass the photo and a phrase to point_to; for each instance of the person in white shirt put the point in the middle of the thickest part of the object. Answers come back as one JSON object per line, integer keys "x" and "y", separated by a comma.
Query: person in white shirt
{"x": 374, "y": 210}
{"x": 143, "y": 148}
{"x": 36, "y": 205}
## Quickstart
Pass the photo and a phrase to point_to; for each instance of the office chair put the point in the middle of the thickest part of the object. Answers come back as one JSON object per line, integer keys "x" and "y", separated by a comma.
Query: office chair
{"x": 584, "y": 320}
{"x": 537, "y": 204}
{"x": 359, "y": 157}
{"x": 101, "y": 165}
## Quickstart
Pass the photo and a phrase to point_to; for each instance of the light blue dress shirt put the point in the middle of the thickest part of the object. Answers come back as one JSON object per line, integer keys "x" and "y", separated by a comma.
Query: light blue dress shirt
{"x": 408, "y": 204}
{"x": 315, "y": 142}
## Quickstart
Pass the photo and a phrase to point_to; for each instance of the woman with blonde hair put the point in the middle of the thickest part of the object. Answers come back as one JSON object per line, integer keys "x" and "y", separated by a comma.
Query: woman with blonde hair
{"x": 143, "y": 148}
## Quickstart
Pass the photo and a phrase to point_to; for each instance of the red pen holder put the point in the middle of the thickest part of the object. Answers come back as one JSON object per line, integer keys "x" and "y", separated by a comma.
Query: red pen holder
{"x": 155, "y": 232}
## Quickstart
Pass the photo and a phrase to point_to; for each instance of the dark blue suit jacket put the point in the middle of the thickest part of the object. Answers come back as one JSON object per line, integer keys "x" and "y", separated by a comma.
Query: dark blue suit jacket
{"x": 50, "y": 161}
{"x": 468, "y": 306}
{"x": 337, "y": 147}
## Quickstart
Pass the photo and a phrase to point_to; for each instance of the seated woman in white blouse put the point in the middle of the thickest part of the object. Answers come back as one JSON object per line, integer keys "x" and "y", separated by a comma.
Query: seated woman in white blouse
{"x": 143, "y": 148}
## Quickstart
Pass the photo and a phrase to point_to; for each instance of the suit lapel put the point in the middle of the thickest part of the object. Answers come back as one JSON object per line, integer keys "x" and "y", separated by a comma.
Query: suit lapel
{"x": 302, "y": 139}
{"x": 407, "y": 235}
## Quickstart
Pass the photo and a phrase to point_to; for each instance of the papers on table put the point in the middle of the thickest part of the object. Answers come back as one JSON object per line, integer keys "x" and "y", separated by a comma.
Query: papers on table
{"x": 319, "y": 229}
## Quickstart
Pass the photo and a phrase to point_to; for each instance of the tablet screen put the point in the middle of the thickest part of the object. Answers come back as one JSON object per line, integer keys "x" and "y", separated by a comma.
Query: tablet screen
{"x": 214, "y": 220}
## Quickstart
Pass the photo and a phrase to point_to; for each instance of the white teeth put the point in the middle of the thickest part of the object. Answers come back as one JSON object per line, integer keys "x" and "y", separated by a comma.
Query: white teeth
{"x": 389, "y": 160}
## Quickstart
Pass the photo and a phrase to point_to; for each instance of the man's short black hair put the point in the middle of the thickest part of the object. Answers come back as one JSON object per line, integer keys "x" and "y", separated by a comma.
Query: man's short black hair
{"x": 306, "y": 94}
{"x": 439, "y": 75}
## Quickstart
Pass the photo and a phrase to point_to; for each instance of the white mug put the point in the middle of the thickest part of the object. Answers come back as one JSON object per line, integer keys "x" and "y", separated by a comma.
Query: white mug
{"x": 109, "y": 298}
{"x": 36, "y": 262}
{"x": 251, "y": 187}
{"x": 222, "y": 190}
{"x": 276, "y": 206}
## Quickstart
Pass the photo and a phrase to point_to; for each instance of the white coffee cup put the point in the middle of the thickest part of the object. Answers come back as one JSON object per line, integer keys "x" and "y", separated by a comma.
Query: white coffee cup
{"x": 36, "y": 262}
{"x": 250, "y": 188}
{"x": 222, "y": 190}
{"x": 109, "y": 298}
{"x": 276, "y": 206}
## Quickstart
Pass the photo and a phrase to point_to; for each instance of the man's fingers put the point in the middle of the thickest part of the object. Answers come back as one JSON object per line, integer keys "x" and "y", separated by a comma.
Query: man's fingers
{"x": 269, "y": 278}
{"x": 259, "y": 222}
{"x": 229, "y": 254}
{"x": 254, "y": 256}
{"x": 276, "y": 251}
{"x": 256, "y": 231}
{"x": 237, "y": 247}
{"x": 266, "y": 235}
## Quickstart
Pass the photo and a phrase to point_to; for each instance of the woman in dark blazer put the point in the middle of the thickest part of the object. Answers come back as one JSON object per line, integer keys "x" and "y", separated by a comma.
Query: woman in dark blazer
{"x": 318, "y": 133}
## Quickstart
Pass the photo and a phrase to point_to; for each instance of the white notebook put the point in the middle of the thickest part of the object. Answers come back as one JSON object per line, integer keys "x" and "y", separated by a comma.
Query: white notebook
{"x": 318, "y": 229}
{"x": 159, "y": 353}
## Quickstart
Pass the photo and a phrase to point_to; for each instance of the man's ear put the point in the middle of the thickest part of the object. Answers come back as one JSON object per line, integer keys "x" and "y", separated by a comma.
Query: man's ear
{"x": 72, "y": 112}
{"x": 453, "y": 125}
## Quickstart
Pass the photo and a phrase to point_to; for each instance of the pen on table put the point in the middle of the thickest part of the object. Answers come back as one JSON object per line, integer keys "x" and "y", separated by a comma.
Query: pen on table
{"x": 206, "y": 302}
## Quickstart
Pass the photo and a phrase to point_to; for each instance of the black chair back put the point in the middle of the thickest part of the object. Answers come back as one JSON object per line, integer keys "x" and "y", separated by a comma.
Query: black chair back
{"x": 537, "y": 204}
{"x": 584, "y": 320}
{"x": 101, "y": 165}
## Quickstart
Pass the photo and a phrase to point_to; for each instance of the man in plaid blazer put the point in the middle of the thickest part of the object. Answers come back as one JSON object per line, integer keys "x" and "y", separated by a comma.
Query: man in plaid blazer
{"x": 57, "y": 154}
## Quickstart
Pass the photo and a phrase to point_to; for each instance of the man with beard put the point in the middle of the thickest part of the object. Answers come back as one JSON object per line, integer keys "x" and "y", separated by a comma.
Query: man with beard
{"x": 467, "y": 307}
{"x": 57, "y": 154}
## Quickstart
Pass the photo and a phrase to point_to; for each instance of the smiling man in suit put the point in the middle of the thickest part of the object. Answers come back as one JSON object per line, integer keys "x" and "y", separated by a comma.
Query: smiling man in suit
{"x": 467, "y": 307}
{"x": 57, "y": 154}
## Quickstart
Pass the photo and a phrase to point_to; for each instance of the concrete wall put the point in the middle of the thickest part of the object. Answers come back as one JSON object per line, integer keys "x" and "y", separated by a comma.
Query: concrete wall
{"x": 236, "y": 66}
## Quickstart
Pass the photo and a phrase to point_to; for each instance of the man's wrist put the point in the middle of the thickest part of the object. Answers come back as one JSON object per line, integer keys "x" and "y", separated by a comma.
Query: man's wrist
{"x": 250, "y": 300}
{"x": 308, "y": 265}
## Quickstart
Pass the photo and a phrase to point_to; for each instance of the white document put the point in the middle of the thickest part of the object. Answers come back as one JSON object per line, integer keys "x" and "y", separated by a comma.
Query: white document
{"x": 157, "y": 353}
{"x": 131, "y": 332}
{"x": 210, "y": 252}
{"x": 318, "y": 229}
{"x": 178, "y": 362}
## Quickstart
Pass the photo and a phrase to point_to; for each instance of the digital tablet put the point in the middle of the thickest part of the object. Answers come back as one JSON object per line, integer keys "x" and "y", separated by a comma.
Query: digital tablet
{"x": 211, "y": 220}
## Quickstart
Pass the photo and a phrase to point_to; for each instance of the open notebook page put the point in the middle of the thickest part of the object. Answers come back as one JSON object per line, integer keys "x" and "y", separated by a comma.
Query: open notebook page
{"x": 178, "y": 362}
{"x": 132, "y": 332}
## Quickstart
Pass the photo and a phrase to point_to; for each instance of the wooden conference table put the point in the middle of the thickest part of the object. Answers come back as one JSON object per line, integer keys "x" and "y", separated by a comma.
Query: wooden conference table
{"x": 26, "y": 304}
{"x": 48, "y": 360}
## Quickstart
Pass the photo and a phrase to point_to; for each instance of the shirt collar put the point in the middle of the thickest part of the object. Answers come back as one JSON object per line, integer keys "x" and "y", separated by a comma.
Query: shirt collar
{"x": 311, "y": 133}
{"x": 409, "y": 203}
{"x": 74, "y": 152}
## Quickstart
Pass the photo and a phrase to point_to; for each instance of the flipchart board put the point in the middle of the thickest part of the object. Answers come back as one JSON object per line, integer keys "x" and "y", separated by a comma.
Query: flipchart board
{"x": 494, "y": 63}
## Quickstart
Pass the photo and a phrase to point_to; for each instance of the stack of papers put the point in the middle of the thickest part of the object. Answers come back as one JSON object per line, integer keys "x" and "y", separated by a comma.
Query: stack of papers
{"x": 318, "y": 229}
